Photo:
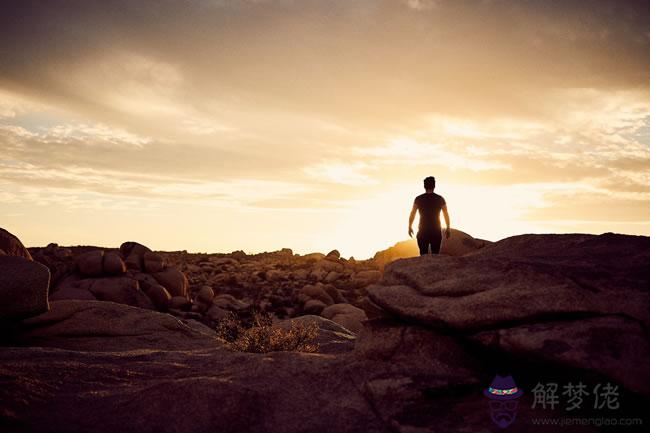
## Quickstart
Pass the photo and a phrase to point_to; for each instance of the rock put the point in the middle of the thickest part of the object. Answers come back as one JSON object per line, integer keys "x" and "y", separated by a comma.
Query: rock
{"x": 205, "y": 295}
{"x": 614, "y": 346}
{"x": 216, "y": 313}
{"x": 239, "y": 254}
{"x": 345, "y": 315}
{"x": 180, "y": 303}
{"x": 134, "y": 253}
{"x": 229, "y": 302}
{"x": 174, "y": 281}
{"x": 71, "y": 292}
{"x": 224, "y": 261}
{"x": 113, "y": 263}
{"x": 317, "y": 291}
{"x": 460, "y": 243}
{"x": 91, "y": 263}
{"x": 399, "y": 364}
{"x": 24, "y": 286}
{"x": 128, "y": 248}
{"x": 334, "y": 254}
{"x": 135, "y": 262}
{"x": 12, "y": 246}
{"x": 329, "y": 265}
{"x": 148, "y": 388}
{"x": 314, "y": 306}
{"x": 159, "y": 296}
{"x": 144, "y": 280}
{"x": 122, "y": 290}
{"x": 331, "y": 277}
{"x": 313, "y": 256}
{"x": 364, "y": 278}
{"x": 521, "y": 278}
{"x": 105, "y": 326}
{"x": 152, "y": 262}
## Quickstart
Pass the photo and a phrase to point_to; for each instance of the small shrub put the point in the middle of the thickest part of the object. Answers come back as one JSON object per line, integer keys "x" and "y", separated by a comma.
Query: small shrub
{"x": 260, "y": 336}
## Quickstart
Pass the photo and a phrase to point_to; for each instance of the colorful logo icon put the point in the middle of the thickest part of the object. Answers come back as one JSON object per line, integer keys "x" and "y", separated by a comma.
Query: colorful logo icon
{"x": 503, "y": 394}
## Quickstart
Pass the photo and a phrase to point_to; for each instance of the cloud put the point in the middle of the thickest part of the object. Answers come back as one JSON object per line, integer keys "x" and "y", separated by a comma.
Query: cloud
{"x": 263, "y": 106}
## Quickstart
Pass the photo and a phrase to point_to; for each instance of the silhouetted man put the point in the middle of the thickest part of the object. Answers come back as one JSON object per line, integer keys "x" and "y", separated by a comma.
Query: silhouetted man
{"x": 429, "y": 204}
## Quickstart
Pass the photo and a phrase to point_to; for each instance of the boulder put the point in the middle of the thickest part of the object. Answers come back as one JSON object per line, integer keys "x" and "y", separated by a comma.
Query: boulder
{"x": 614, "y": 346}
{"x": 314, "y": 306}
{"x": 24, "y": 286}
{"x": 122, "y": 290}
{"x": 174, "y": 281}
{"x": 205, "y": 295}
{"x": 106, "y": 326}
{"x": 135, "y": 262}
{"x": 364, "y": 278}
{"x": 70, "y": 292}
{"x": 331, "y": 277}
{"x": 329, "y": 265}
{"x": 334, "y": 254}
{"x": 229, "y": 302}
{"x": 11, "y": 245}
{"x": 152, "y": 262}
{"x": 316, "y": 291}
{"x": 313, "y": 256}
{"x": 179, "y": 303}
{"x": 345, "y": 315}
{"x": 128, "y": 248}
{"x": 159, "y": 296}
{"x": 519, "y": 279}
{"x": 91, "y": 263}
{"x": 458, "y": 244}
{"x": 216, "y": 313}
{"x": 113, "y": 263}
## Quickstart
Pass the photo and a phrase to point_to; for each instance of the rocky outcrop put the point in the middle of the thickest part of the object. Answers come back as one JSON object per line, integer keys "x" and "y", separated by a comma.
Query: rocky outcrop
{"x": 571, "y": 306}
{"x": 107, "y": 326}
{"x": 24, "y": 286}
{"x": 549, "y": 297}
{"x": 131, "y": 275}
{"x": 458, "y": 244}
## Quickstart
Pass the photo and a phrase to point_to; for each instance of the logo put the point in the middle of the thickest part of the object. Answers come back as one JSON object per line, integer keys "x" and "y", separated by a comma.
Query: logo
{"x": 503, "y": 394}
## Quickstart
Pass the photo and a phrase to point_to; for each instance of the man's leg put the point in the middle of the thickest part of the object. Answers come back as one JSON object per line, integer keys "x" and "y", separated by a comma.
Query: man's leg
{"x": 423, "y": 243}
{"x": 436, "y": 241}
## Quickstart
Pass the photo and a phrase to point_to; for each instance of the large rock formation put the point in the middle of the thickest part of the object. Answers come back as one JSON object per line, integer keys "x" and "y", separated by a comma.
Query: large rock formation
{"x": 549, "y": 296}
{"x": 570, "y": 307}
{"x": 458, "y": 244}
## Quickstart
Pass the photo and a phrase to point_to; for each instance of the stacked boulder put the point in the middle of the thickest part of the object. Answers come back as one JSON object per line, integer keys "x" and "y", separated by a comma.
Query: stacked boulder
{"x": 132, "y": 275}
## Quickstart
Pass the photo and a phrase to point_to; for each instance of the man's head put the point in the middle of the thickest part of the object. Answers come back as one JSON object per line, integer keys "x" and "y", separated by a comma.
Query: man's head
{"x": 430, "y": 183}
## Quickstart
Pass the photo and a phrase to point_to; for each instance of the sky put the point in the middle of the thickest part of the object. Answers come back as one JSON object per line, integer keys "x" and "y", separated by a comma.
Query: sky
{"x": 216, "y": 125}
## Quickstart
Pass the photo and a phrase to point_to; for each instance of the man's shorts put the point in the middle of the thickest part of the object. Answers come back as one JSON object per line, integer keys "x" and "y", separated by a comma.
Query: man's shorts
{"x": 429, "y": 238}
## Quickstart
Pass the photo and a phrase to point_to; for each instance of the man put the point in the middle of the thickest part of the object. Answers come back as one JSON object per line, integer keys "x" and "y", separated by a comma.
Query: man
{"x": 429, "y": 204}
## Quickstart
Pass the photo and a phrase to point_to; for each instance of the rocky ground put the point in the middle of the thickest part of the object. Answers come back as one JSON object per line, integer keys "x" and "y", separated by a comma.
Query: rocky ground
{"x": 126, "y": 339}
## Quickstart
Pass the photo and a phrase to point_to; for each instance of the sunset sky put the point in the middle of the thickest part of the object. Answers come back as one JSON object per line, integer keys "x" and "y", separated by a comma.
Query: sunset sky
{"x": 216, "y": 125}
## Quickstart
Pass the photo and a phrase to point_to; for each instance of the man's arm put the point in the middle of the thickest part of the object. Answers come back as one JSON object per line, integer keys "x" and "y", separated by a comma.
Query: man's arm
{"x": 446, "y": 215}
{"x": 411, "y": 218}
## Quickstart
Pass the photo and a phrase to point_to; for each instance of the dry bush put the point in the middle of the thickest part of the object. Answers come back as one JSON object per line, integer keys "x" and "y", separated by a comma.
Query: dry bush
{"x": 260, "y": 336}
